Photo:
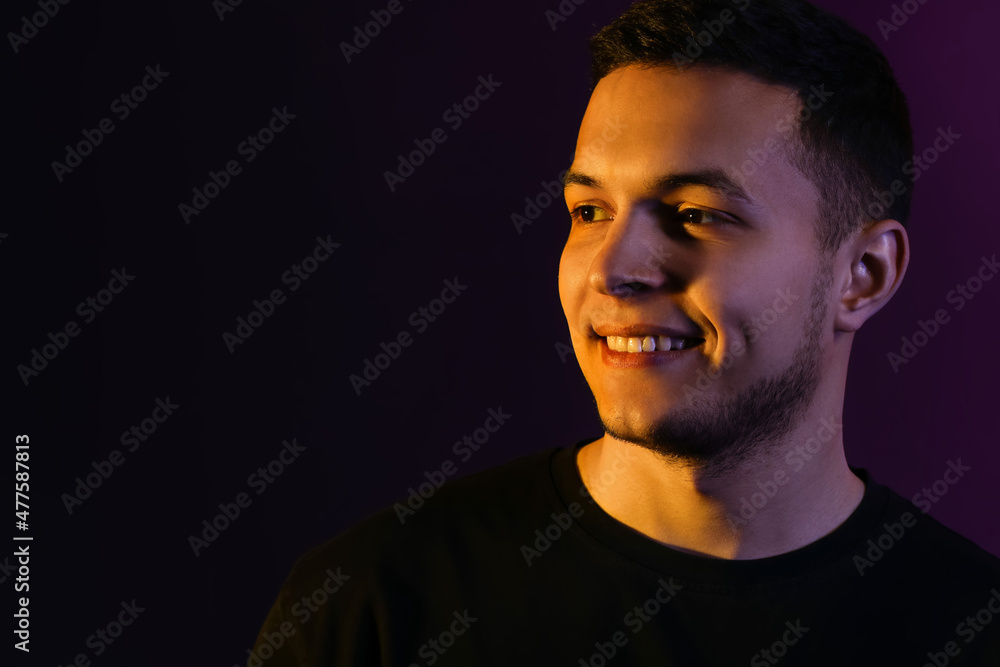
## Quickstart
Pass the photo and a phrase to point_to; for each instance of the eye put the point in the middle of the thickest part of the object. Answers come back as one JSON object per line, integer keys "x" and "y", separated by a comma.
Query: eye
{"x": 700, "y": 216}
{"x": 590, "y": 213}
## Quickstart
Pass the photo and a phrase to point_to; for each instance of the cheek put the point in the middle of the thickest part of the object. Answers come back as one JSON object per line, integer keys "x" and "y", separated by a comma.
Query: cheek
{"x": 774, "y": 327}
{"x": 572, "y": 278}
{"x": 751, "y": 317}
{"x": 564, "y": 281}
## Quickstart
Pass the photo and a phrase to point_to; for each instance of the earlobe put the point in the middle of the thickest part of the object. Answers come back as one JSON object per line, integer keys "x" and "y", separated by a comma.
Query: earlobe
{"x": 877, "y": 259}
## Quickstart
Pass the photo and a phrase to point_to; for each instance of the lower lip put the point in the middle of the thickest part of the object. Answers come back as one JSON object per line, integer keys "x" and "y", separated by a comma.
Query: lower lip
{"x": 640, "y": 359}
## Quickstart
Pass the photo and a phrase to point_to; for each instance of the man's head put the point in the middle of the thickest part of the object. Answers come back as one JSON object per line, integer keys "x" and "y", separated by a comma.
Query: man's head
{"x": 712, "y": 206}
{"x": 854, "y": 135}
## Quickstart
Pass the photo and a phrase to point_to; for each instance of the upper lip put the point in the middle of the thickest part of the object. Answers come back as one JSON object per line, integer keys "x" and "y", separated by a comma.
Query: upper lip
{"x": 636, "y": 330}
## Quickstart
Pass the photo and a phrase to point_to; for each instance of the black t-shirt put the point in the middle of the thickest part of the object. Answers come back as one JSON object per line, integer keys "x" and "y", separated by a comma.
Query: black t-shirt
{"x": 518, "y": 566}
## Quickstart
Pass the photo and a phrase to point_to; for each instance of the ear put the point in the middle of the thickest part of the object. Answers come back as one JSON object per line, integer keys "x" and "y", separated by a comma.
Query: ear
{"x": 876, "y": 261}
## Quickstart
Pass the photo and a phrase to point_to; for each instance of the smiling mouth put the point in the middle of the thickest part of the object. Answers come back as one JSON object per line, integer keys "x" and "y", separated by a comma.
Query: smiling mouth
{"x": 647, "y": 344}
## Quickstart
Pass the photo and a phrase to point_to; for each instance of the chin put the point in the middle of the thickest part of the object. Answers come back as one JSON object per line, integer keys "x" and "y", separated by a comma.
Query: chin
{"x": 641, "y": 420}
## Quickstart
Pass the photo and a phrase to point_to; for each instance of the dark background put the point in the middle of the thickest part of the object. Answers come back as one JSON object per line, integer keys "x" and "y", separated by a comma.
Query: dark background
{"x": 497, "y": 345}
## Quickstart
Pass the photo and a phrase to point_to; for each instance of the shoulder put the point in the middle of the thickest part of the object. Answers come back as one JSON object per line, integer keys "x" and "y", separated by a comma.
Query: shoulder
{"x": 342, "y": 596}
{"x": 930, "y": 550}
{"x": 435, "y": 523}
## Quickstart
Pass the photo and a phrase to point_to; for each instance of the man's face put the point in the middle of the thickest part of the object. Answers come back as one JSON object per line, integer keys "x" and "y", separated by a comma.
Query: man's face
{"x": 692, "y": 225}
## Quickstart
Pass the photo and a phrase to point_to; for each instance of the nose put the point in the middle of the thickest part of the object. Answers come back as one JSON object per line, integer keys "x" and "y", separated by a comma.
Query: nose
{"x": 633, "y": 255}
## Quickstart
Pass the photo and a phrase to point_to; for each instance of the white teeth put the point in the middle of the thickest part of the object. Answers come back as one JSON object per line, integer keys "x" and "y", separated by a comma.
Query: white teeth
{"x": 635, "y": 344}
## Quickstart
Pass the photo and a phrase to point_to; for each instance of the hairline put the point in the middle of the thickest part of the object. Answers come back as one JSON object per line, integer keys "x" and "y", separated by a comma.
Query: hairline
{"x": 794, "y": 148}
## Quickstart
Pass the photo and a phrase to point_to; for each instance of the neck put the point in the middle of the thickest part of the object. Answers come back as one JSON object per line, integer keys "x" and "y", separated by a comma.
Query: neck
{"x": 794, "y": 494}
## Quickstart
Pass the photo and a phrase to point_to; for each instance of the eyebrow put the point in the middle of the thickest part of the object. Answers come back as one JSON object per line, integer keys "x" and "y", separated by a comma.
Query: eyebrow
{"x": 713, "y": 179}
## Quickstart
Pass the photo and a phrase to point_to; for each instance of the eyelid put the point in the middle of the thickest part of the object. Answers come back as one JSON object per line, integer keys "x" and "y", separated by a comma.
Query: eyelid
{"x": 577, "y": 217}
{"x": 722, "y": 215}
{"x": 599, "y": 203}
{"x": 574, "y": 213}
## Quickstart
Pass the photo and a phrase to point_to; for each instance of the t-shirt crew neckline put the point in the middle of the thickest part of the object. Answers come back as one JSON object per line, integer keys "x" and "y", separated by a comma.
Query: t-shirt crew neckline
{"x": 614, "y": 535}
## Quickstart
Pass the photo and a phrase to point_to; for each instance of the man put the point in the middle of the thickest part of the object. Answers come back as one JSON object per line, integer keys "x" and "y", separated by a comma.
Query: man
{"x": 727, "y": 241}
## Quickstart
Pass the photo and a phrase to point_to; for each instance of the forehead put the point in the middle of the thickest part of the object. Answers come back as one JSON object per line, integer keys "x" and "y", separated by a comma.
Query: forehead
{"x": 642, "y": 123}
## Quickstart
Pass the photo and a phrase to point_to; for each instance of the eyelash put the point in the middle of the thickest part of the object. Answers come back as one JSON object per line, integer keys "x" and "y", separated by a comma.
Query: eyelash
{"x": 719, "y": 216}
{"x": 577, "y": 217}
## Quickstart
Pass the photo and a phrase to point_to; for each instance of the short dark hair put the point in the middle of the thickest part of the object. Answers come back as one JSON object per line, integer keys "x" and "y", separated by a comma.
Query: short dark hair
{"x": 853, "y": 147}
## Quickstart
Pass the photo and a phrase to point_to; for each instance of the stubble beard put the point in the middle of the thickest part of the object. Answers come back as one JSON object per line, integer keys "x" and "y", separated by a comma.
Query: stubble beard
{"x": 717, "y": 435}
